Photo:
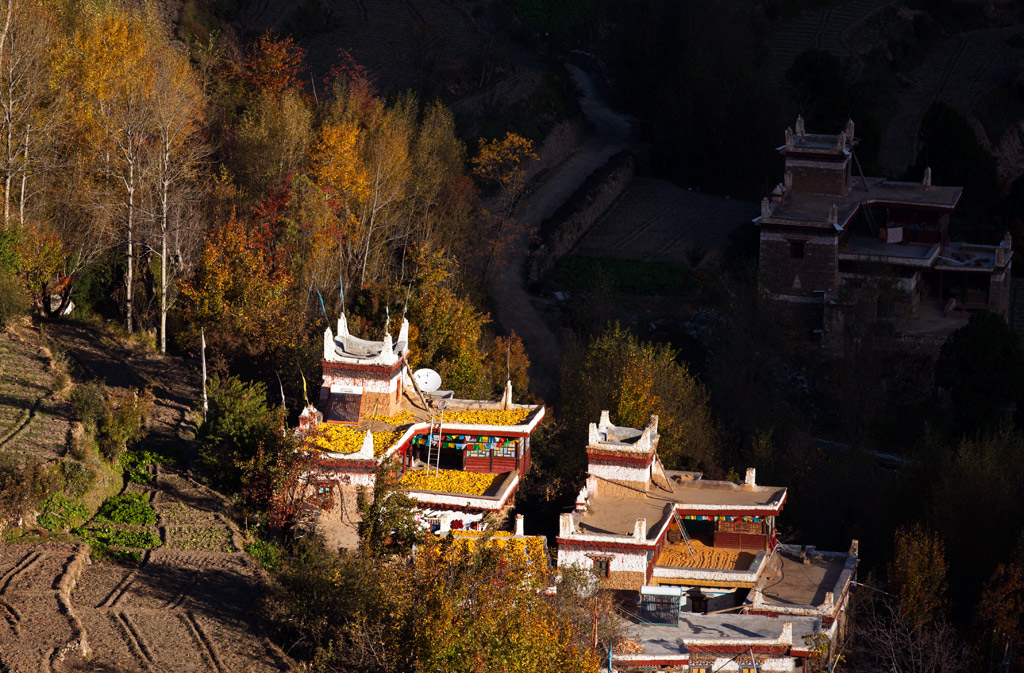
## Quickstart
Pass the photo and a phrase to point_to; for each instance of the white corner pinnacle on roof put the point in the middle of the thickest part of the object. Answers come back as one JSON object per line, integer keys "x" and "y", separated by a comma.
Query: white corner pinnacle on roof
{"x": 365, "y": 452}
{"x": 800, "y": 126}
{"x": 403, "y": 334}
{"x": 329, "y": 347}
{"x": 506, "y": 396}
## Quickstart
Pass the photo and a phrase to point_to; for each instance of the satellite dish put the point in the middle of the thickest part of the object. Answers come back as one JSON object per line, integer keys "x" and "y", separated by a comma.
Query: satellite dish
{"x": 427, "y": 379}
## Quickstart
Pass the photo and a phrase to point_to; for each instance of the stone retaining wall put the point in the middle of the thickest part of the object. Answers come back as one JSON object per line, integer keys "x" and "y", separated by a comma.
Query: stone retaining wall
{"x": 564, "y": 229}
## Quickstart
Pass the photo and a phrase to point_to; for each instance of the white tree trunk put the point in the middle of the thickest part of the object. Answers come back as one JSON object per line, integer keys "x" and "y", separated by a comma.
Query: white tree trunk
{"x": 163, "y": 256}
{"x": 128, "y": 276}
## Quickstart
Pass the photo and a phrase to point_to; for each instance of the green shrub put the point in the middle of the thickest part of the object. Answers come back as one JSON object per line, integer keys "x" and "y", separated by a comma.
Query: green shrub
{"x": 90, "y": 404}
{"x": 77, "y": 478}
{"x": 13, "y": 301}
{"x": 267, "y": 554}
{"x": 59, "y": 514}
{"x": 136, "y": 463}
{"x": 238, "y": 424}
{"x": 130, "y": 508}
{"x": 124, "y": 421}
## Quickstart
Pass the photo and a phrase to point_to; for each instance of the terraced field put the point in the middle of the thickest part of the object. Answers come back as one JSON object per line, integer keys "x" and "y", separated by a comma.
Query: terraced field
{"x": 822, "y": 29}
{"x": 191, "y": 605}
{"x": 32, "y": 421}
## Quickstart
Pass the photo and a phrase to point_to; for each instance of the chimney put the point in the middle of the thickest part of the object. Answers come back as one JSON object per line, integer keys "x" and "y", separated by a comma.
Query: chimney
{"x": 786, "y": 637}
{"x": 640, "y": 530}
{"x": 566, "y": 527}
{"x": 519, "y": 525}
{"x": 750, "y": 479}
{"x": 506, "y": 397}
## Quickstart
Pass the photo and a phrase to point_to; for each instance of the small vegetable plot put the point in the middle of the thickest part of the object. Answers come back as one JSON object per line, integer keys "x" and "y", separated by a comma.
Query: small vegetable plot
{"x": 200, "y": 538}
{"x": 121, "y": 528}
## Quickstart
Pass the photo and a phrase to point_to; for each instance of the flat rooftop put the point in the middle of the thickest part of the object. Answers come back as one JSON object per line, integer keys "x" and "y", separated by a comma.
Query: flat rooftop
{"x": 614, "y": 508}
{"x": 813, "y": 209}
{"x": 788, "y": 581}
{"x": 872, "y": 247}
{"x": 967, "y": 257}
{"x": 696, "y": 628}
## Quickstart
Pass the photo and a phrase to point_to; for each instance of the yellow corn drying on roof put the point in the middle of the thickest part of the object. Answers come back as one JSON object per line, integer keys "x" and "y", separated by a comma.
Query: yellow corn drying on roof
{"x": 347, "y": 439}
{"x": 450, "y": 481}
{"x": 488, "y": 416}
{"x": 401, "y": 418}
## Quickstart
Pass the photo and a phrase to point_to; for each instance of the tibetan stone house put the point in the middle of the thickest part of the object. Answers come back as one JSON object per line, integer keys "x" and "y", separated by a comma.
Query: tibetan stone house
{"x": 827, "y": 233}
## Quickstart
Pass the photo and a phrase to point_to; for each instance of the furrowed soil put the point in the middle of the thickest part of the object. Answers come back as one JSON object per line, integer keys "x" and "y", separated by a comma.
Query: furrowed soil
{"x": 191, "y": 604}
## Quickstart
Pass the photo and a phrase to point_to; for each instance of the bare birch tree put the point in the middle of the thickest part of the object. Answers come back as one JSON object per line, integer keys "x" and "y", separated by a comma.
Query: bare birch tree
{"x": 177, "y": 107}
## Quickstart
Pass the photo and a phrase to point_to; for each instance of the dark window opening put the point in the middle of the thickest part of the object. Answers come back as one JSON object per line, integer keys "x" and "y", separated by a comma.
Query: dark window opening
{"x": 796, "y": 249}
{"x": 344, "y": 408}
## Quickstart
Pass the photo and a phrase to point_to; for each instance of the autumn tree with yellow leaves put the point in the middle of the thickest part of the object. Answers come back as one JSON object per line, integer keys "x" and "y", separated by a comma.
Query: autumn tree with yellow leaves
{"x": 634, "y": 379}
{"x": 448, "y": 607}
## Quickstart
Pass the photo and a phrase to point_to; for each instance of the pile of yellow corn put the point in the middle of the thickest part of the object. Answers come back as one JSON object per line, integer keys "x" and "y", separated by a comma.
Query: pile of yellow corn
{"x": 348, "y": 439}
{"x": 450, "y": 481}
{"x": 488, "y": 416}
{"x": 401, "y": 418}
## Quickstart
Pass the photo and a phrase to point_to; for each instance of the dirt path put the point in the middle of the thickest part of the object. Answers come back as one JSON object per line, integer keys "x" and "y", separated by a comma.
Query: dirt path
{"x": 174, "y": 380}
{"x": 608, "y": 133}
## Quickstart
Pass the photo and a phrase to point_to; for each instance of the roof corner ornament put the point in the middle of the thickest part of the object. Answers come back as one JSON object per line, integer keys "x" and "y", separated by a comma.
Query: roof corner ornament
{"x": 848, "y": 131}
{"x": 766, "y": 210}
{"x": 833, "y": 215}
{"x": 329, "y": 349}
{"x": 789, "y": 138}
{"x": 787, "y": 181}
{"x": 926, "y": 182}
{"x": 800, "y": 126}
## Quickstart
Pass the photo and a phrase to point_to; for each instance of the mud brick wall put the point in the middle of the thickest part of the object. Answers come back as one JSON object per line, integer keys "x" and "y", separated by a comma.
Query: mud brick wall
{"x": 783, "y": 275}
{"x": 819, "y": 176}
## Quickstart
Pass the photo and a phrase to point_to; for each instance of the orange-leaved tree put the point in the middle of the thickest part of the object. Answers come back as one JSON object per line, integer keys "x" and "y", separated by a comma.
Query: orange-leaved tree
{"x": 274, "y": 64}
{"x": 239, "y": 295}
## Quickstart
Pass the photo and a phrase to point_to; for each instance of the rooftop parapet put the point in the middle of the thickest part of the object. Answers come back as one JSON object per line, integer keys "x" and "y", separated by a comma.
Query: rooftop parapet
{"x": 605, "y": 436}
{"x": 344, "y": 348}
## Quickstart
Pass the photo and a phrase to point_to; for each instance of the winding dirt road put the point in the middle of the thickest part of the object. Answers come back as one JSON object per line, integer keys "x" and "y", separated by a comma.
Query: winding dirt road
{"x": 608, "y": 132}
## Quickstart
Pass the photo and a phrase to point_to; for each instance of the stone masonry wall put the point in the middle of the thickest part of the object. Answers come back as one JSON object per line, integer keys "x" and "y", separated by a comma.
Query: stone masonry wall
{"x": 785, "y": 276}
{"x": 560, "y": 232}
{"x": 999, "y": 293}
